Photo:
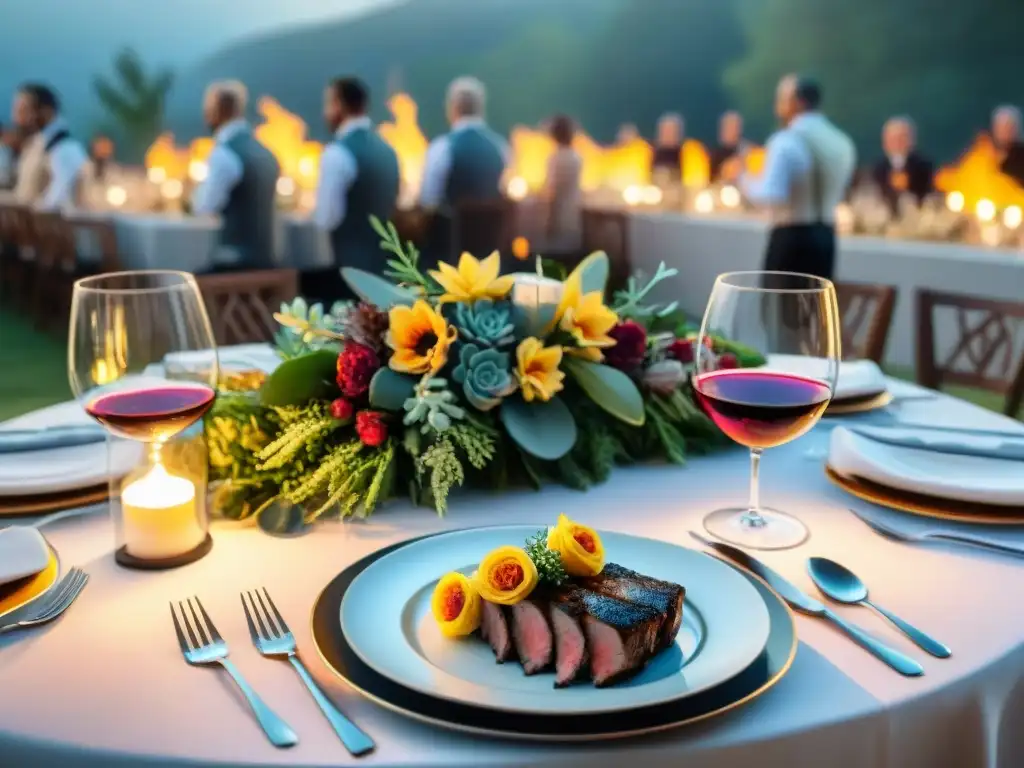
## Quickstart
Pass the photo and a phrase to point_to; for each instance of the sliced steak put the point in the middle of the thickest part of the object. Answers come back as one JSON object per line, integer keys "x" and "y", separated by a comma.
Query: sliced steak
{"x": 571, "y": 655}
{"x": 531, "y": 634}
{"x": 663, "y": 596}
{"x": 620, "y": 636}
{"x": 494, "y": 629}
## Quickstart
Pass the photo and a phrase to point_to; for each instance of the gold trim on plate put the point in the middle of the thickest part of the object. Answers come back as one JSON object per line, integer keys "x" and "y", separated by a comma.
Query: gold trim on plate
{"x": 843, "y": 408}
{"x": 31, "y": 588}
{"x": 34, "y": 505}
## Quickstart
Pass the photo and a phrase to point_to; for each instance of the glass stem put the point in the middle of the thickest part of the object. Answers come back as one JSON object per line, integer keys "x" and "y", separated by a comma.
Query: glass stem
{"x": 752, "y": 517}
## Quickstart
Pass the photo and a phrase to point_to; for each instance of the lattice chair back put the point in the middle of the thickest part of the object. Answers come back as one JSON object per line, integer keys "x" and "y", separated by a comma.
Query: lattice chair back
{"x": 241, "y": 305}
{"x": 866, "y": 313}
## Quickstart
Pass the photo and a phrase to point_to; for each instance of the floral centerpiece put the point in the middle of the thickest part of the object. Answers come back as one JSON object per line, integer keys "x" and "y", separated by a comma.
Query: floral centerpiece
{"x": 458, "y": 376}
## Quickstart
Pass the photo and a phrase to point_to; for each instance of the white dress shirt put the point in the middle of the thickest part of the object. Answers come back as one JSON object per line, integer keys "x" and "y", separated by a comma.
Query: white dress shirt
{"x": 32, "y": 175}
{"x": 66, "y": 161}
{"x": 787, "y": 158}
{"x": 896, "y": 162}
{"x": 438, "y": 163}
{"x": 338, "y": 172}
{"x": 223, "y": 171}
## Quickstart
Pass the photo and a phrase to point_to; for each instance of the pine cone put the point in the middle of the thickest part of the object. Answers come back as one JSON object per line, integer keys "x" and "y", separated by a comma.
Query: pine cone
{"x": 366, "y": 325}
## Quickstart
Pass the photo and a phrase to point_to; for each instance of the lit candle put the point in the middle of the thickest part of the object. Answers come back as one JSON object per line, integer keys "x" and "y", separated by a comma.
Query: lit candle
{"x": 705, "y": 202}
{"x": 1012, "y": 217}
{"x": 117, "y": 196}
{"x": 159, "y": 519}
{"x": 285, "y": 186}
{"x": 651, "y": 195}
{"x": 730, "y": 196}
{"x": 172, "y": 189}
{"x": 955, "y": 201}
{"x": 535, "y": 301}
{"x": 985, "y": 210}
{"x": 633, "y": 195}
{"x": 157, "y": 175}
{"x": 197, "y": 171}
{"x": 518, "y": 189}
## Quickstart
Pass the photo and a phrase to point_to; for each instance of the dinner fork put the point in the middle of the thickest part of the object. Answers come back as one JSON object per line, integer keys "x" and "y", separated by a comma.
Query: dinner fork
{"x": 206, "y": 646}
{"x": 933, "y": 535}
{"x": 64, "y": 594}
{"x": 271, "y": 640}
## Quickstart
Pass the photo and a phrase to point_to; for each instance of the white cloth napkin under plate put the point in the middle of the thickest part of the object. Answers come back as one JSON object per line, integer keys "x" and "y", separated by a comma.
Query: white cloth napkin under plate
{"x": 857, "y": 378}
{"x": 961, "y": 478}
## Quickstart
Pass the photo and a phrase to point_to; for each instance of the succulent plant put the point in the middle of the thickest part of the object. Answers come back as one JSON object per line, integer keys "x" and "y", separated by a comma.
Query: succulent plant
{"x": 304, "y": 328}
{"x": 433, "y": 406}
{"x": 485, "y": 375}
{"x": 485, "y": 323}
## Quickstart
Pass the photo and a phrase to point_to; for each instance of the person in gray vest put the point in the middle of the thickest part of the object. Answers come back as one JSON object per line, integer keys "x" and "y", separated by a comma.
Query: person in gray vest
{"x": 465, "y": 164}
{"x": 359, "y": 178}
{"x": 62, "y": 157}
{"x": 808, "y": 167}
{"x": 241, "y": 183}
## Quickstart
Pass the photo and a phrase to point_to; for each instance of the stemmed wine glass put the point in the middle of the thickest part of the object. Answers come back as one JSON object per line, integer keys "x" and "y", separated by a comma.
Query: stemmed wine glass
{"x": 793, "y": 320}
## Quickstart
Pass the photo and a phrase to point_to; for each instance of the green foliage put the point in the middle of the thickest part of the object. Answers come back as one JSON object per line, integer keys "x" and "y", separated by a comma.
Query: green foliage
{"x": 135, "y": 100}
{"x": 545, "y": 430}
{"x": 485, "y": 375}
{"x": 609, "y": 388}
{"x": 630, "y": 303}
{"x": 296, "y": 438}
{"x": 593, "y": 272}
{"x": 404, "y": 267}
{"x": 485, "y": 323}
{"x": 389, "y": 389}
{"x": 446, "y": 471}
{"x": 548, "y": 562}
{"x": 302, "y": 379}
{"x": 478, "y": 442}
{"x": 376, "y": 290}
{"x": 306, "y": 329}
{"x": 433, "y": 405}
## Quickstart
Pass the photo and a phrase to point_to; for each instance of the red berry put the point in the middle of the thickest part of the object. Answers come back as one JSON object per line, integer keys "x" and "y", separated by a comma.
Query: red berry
{"x": 728, "y": 360}
{"x": 356, "y": 365}
{"x": 371, "y": 428}
{"x": 342, "y": 409}
{"x": 681, "y": 350}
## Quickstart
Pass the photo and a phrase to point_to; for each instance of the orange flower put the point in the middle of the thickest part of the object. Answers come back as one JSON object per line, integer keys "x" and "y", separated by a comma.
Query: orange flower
{"x": 420, "y": 337}
{"x": 579, "y": 545}
{"x": 506, "y": 576}
{"x": 456, "y": 605}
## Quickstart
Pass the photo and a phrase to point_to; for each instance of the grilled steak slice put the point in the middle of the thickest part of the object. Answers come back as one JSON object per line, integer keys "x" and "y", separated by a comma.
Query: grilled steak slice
{"x": 571, "y": 655}
{"x": 531, "y": 634}
{"x": 621, "y": 636}
{"x": 663, "y": 596}
{"x": 494, "y": 629}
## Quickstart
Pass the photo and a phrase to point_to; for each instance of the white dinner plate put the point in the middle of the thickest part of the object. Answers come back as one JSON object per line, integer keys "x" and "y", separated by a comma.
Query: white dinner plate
{"x": 62, "y": 469}
{"x": 856, "y": 379}
{"x": 386, "y": 618}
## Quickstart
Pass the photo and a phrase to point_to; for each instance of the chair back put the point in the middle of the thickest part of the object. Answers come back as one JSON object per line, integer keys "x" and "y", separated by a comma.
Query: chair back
{"x": 96, "y": 241}
{"x": 16, "y": 226}
{"x": 608, "y": 230}
{"x": 986, "y": 350}
{"x": 866, "y": 312}
{"x": 483, "y": 226}
{"x": 241, "y": 305}
{"x": 55, "y": 239}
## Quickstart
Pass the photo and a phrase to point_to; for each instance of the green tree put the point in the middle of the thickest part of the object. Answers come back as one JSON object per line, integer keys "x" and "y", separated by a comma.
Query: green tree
{"x": 134, "y": 101}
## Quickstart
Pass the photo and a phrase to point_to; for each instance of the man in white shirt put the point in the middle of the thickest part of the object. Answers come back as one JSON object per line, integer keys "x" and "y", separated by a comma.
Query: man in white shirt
{"x": 807, "y": 170}
{"x": 52, "y": 152}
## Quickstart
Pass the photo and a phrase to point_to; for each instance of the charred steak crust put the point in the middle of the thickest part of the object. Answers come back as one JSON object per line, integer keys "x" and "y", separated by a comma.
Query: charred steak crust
{"x": 662, "y": 596}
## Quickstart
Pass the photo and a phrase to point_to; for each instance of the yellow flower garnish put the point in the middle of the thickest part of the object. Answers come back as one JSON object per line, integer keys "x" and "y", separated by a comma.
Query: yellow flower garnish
{"x": 506, "y": 576}
{"x": 579, "y": 545}
{"x": 537, "y": 369}
{"x": 588, "y": 321}
{"x": 420, "y": 337}
{"x": 456, "y": 605}
{"x": 473, "y": 279}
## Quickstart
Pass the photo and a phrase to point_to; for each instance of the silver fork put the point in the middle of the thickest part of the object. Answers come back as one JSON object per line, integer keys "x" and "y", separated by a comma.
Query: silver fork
{"x": 52, "y": 606}
{"x": 271, "y": 640}
{"x": 208, "y": 647}
{"x": 942, "y": 536}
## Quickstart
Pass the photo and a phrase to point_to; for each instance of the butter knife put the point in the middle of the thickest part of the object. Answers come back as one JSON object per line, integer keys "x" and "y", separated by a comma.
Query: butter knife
{"x": 24, "y": 440}
{"x": 1005, "y": 450}
{"x": 804, "y": 603}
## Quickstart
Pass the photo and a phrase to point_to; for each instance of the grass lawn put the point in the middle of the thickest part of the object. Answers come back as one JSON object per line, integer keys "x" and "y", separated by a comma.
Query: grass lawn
{"x": 33, "y": 371}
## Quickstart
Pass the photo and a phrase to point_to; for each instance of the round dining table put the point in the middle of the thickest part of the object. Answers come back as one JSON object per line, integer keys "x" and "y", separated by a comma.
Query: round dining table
{"x": 106, "y": 685}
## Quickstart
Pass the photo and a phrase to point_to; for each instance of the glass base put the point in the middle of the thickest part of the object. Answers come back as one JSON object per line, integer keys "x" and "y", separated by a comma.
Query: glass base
{"x": 780, "y": 531}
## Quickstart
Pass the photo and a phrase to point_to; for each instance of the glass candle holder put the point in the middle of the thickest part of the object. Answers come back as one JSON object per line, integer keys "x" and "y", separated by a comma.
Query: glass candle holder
{"x": 160, "y": 511}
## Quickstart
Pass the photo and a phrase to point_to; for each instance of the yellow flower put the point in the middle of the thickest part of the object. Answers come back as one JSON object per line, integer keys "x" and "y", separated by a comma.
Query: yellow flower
{"x": 506, "y": 576}
{"x": 537, "y": 369}
{"x": 420, "y": 338}
{"x": 473, "y": 279}
{"x": 579, "y": 545}
{"x": 588, "y": 321}
{"x": 456, "y": 605}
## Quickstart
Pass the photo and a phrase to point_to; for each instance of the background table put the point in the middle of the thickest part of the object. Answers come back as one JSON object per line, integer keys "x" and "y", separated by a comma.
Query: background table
{"x": 106, "y": 685}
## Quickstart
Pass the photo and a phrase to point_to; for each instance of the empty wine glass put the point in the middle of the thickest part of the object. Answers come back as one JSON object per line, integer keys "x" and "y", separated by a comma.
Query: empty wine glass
{"x": 793, "y": 320}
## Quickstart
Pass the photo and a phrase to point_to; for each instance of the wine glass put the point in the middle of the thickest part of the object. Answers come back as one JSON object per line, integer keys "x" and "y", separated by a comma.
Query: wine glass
{"x": 793, "y": 321}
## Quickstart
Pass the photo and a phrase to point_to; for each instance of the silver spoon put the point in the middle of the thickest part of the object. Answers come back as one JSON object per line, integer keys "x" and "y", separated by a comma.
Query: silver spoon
{"x": 843, "y": 586}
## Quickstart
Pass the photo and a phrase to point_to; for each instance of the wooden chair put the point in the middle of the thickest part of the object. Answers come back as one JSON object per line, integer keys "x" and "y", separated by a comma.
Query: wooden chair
{"x": 241, "y": 305}
{"x": 481, "y": 227}
{"x": 57, "y": 270}
{"x": 866, "y": 312}
{"x": 17, "y": 254}
{"x": 99, "y": 238}
{"x": 987, "y": 352}
{"x": 608, "y": 230}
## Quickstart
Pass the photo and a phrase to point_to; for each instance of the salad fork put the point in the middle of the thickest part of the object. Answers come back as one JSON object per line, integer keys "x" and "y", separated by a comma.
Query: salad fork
{"x": 65, "y": 593}
{"x": 206, "y": 646}
{"x": 276, "y": 641}
{"x": 948, "y": 537}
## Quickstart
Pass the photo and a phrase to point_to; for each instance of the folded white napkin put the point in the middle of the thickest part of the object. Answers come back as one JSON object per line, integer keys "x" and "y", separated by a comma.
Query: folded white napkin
{"x": 23, "y": 553}
{"x": 962, "y": 478}
{"x": 857, "y": 378}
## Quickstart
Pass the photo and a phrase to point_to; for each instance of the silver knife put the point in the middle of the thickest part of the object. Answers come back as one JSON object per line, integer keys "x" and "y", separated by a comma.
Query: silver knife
{"x": 23, "y": 440}
{"x": 804, "y": 603}
{"x": 1006, "y": 450}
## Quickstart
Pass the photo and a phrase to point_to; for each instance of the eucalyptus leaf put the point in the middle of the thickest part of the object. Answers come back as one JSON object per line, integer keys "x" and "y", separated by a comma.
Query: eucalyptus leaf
{"x": 593, "y": 272}
{"x": 376, "y": 290}
{"x": 610, "y": 389}
{"x": 301, "y": 379}
{"x": 389, "y": 390}
{"x": 543, "y": 429}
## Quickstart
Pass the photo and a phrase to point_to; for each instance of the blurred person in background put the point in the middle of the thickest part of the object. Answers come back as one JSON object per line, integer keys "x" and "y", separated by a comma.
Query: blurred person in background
{"x": 51, "y": 162}
{"x": 101, "y": 157}
{"x": 667, "y": 161}
{"x": 562, "y": 190}
{"x": 731, "y": 144}
{"x": 902, "y": 170}
{"x": 8, "y": 157}
{"x": 241, "y": 183}
{"x": 1006, "y": 137}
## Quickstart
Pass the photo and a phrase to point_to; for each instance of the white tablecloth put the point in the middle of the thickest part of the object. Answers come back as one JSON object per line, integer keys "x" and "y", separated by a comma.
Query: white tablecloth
{"x": 106, "y": 686}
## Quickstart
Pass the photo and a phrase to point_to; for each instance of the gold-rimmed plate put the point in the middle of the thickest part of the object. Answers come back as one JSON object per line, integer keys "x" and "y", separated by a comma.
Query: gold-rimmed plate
{"x": 763, "y": 673}
{"x": 924, "y": 505}
{"x": 18, "y": 594}
{"x": 860, "y": 404}
{"x": 15, "y": 506}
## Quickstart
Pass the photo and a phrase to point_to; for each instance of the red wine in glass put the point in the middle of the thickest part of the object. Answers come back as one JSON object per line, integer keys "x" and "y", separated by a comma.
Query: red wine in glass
{"x": 761, "y": 409}
{"x": 152, "y": 414}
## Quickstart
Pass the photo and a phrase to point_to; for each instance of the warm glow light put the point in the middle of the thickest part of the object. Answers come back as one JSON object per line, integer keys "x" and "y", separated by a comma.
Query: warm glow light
{"x": 407, "y": 139}
{"x": 521, "y": 248}
{"x": 705, "y": 202}
{"x": 172, "y": 189}
{"x": 117, "y": 196}
{"x": 844, "y": 219}
{"x": 1012, "y": 217}
{"x": 730, "y": 196}
{"x": 985, "y": 210}
{"x": 285, "y": 186}
{"x": 651, "y": 195}
{"x": 633, "y": 195}
{"x": 518, "y": 189}
{"x": 978, "y": 176}
{"x": 198, "y": 171}
{"x": 307, "y": 167}
{"x": 157, "y": 175}
{"x": 955, "y": 201}
{"x": 159, "y": 515}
